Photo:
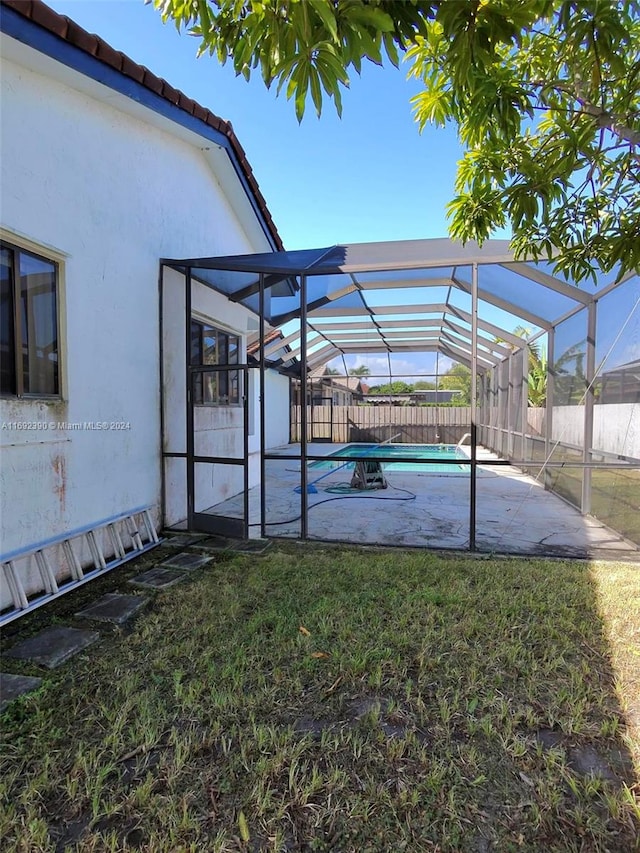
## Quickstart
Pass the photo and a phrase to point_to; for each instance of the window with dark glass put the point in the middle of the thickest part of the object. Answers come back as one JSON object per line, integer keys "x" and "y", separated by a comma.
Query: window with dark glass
{"x": 28, "y": 324}
{"x": 211, "y": 346}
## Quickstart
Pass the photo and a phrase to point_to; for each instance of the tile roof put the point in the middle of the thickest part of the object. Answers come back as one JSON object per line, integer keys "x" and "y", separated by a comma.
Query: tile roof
{"x": 69, "y": 31}
{"x": 254, "y": 346}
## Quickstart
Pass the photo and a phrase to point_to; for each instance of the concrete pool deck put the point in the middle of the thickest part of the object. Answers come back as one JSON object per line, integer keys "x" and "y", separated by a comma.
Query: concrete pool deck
{"x": 514, "y": 513}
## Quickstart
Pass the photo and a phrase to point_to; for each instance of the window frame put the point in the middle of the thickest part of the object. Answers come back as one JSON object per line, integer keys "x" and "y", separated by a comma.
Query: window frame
{"x": 18, "y": 366}
{"x": 222, "y": 344}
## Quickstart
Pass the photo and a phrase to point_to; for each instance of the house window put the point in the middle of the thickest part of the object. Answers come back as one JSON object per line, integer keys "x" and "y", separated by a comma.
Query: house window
{"x": 213, "y": 346}
{"x": 28, "y": 324}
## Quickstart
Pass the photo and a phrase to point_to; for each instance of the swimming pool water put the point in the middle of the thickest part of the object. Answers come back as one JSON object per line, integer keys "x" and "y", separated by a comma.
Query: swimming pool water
{"x": 447, "y": 454}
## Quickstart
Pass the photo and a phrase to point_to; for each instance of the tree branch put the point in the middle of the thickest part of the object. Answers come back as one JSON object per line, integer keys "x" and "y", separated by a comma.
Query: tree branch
{"x": 608, "y": 121}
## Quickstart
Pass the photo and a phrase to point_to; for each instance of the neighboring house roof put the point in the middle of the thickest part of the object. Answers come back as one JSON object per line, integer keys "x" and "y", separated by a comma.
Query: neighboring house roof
{"x": 71, "y": 33}
{"x": 278, "y": 360}
{"x": 337, "y": 380}
{"x": 354, "y": 383}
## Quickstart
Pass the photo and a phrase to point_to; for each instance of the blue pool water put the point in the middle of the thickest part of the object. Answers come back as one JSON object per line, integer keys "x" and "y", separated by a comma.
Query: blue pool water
{"x": 446, "y": 454}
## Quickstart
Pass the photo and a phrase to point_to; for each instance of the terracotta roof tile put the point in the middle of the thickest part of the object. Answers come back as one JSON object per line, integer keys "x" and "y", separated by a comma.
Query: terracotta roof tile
{"x": 152, "y": 82}
{"x": 186, "y": 104}
{"x": 169, "y": 93}
{"x": 81, "y": 38}
{"x": 132, "y": 69}
{"x": 200, "y": 112}
{"x": 46, "y": 17}
{"x": 108, "y": 55}
{"x": 216, "y": 122}
{"x": 254, "y": 346}
{"x": 65, "y": 28}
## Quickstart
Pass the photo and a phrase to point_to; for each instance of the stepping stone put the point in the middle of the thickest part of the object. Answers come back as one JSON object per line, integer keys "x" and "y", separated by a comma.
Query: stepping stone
{"x": 182, "y": 540}
{"x": 53, "y": 646}
{"x": 114, "y": 607}
{"x": 12, "y": 686}
{"x": 186, "y": 562}
{"x": 216, "y": 543}
{"x": 250, "y": 546}
{"x": 157, "y": 578}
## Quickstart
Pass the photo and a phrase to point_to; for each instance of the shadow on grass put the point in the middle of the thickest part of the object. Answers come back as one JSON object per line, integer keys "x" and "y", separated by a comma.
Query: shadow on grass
{"x": 322, "y": 698}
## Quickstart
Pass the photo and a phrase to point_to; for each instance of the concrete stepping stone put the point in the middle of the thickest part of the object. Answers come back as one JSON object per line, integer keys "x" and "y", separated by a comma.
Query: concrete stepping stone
{"x": 250, "y": 546}
{"x": 12, "y": 686}
{"x": 215, "y": 543}
{"x": 186, "y": 562}
{"x": 114, "y": 607}
{"x": 158, "y": 578}
{"x": 53, "y": 646}
{"x": 182, "y": 540}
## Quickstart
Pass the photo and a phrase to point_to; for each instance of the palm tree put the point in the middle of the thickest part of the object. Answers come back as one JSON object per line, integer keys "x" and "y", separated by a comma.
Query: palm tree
{"x": 537, "y": 379}
{"x": 523, "y": 332}
{"x": 360, "y": 370}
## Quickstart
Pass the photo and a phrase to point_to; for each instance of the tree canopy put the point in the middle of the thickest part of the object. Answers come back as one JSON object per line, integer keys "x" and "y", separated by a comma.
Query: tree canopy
{"x": 545, "y": 95}
{"x": 458, "y": 378}
{"x": 398, "y": 386}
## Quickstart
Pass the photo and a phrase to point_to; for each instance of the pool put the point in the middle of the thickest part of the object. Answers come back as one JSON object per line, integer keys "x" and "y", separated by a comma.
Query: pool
{"x": 445, "y": 457}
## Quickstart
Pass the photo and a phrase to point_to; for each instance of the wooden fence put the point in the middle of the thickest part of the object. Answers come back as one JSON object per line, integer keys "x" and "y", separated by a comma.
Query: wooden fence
{"x": 403, "y": 424}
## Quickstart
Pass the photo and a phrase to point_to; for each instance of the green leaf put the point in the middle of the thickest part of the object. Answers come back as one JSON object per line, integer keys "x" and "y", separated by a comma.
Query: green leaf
{"x": 326, "y": 15}
{"x": 372, "y": 17}
{"x": 390, "y": 47}
{"x": 316, "y": 91}
{"x": 243, "y": 828}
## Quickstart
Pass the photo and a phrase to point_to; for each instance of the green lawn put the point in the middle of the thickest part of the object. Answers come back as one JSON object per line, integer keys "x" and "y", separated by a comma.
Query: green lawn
{"x": 340, "y": 699}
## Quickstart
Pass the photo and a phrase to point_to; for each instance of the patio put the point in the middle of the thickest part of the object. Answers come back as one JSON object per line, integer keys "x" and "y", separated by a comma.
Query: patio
{"x": 515, "y": 514}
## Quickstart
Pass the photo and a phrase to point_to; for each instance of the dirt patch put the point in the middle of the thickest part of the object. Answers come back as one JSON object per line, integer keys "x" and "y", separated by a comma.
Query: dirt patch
{"x": 549, "y": 738}
{"x": 311, "y": 726}
{"x": 586, "y": 761}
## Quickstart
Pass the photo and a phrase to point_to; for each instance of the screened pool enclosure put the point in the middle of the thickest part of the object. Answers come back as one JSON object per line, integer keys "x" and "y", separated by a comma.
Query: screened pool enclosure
{"x": 532, "y": 381}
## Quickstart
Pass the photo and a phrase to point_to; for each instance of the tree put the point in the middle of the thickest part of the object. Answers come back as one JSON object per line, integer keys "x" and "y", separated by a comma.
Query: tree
{"x": 537, "y": 375}
{"x": 544, "y": 94}
{"x": 331, "y": 371}
{"x": 395, "y": 387}
{"x": 458, "y": 378}
{"x": 533, "y": 347}
{"x": 360, "y": 370}
{"x": 424, "y": 385}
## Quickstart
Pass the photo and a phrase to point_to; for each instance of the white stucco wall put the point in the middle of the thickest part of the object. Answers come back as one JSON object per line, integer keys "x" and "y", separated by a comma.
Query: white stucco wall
{"x": 616, "y": 427}
{"x": 108, "y": 195}
{"x": 277, "y": 407}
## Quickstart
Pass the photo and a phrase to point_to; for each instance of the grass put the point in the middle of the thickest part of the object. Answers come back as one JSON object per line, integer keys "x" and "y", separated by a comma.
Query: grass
{"x": 322, "y": 698}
